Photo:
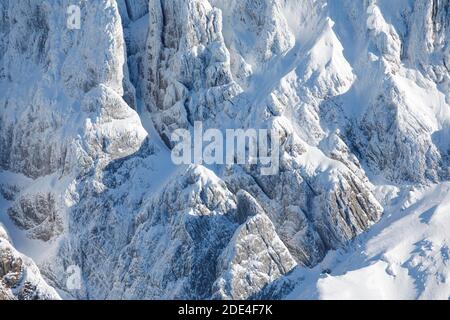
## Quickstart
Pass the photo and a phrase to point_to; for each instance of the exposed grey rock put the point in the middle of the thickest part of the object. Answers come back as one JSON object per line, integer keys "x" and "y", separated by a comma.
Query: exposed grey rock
{"x": 255, "y": 255}
{"x": 38, "y": 214}
{"x": 20, "y": 278}
{"x": 187, "y": 73}
{"x": 364, "y": 88}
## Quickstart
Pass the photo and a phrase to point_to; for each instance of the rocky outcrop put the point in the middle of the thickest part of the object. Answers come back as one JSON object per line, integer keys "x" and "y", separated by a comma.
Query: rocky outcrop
{"x": 187, "y": 73}
{"x": 48, "y": 70}
{"x": 336, "y": 80}
{"x": 39, "y": 215}
{"x": 398, "y": 132}
{"x": 254, "y": 257}
{"x": 20, "y": 278}
{"x": 64, "y": 111}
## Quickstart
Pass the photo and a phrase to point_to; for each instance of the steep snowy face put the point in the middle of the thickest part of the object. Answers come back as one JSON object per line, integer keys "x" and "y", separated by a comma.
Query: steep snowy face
{"x": 20, "y": 278}
{"x": 194, "y": 76}
{"x": 405, "y": 256}
{"x": 354, "y": 89}
{"x": 254, "y": 32}
{"x": 426, "y": 44}
{"x": 187, "y": 74}
{"x": 398, "y": 106}
{"x": 64, "y": 109}
{"x": 336, "y": 87}
{"x": 254, "y": 257}
{"x": 52, "y": 75}
{"x": 151, "y": 244}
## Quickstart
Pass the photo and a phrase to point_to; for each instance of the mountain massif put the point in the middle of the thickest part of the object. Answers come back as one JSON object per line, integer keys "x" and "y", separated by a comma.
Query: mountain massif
{"x": 357, "y": 91}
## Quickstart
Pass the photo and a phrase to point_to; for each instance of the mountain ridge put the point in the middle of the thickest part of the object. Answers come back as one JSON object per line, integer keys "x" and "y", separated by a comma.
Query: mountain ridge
{"x": 357, "y": 92}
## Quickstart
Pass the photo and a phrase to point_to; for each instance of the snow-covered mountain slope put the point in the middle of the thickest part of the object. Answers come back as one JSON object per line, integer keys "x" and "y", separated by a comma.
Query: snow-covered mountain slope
{"x": 405, "y": 256}
{"x": 358, "y": 92}
{"x": 19, "y": 276}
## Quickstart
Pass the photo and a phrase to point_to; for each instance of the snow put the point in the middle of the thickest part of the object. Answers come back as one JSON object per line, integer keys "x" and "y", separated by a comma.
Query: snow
{"x": 358, "y": 91}
{"x": 35, "y": 249}
{"x": 404, "y": 256}
{"x": 424, "y": 100}
{"x": 23, "y": 277}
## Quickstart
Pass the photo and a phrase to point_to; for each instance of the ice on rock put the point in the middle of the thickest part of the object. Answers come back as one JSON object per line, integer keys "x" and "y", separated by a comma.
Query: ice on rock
{"x": 356, "y": 90}
{"x": 64, "y": 109}
{"x": 187, "y": 73}
{"x": 255, "y": 255}
{"x": 20, "y": 278}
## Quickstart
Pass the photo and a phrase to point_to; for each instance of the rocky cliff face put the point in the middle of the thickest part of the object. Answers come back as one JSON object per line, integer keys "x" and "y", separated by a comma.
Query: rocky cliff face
{"x": 20, "y": 278}
{"x": 354, "y": 90}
